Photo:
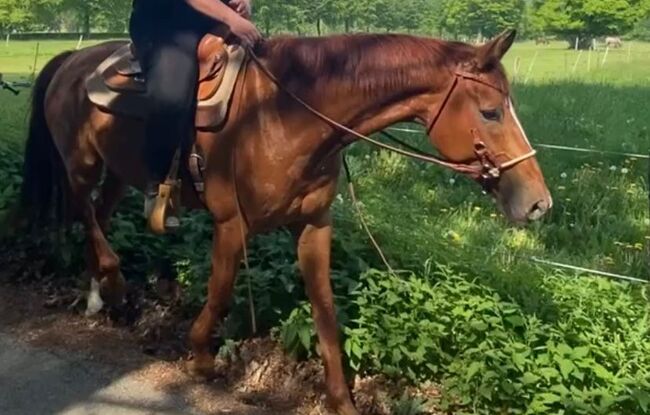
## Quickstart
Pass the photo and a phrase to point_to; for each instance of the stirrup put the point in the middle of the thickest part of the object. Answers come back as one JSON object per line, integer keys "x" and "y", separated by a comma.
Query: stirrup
{"x": 164, "y": 215}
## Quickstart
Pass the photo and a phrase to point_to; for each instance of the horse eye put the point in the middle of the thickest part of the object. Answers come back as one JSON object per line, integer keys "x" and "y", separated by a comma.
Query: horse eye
{"x": 491, "y": 115}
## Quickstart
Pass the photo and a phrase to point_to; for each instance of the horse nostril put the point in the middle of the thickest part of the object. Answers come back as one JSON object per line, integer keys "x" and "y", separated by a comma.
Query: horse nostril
{"x": 538, "y": 210}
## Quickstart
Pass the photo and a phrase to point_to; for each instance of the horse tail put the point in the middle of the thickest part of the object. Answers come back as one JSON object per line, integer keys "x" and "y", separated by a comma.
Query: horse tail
{"x": 44, "y": 188}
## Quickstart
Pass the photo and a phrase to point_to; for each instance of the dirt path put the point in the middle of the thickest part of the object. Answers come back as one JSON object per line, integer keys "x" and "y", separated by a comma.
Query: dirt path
{"x": 36, "y": 381}
{"x": 56, "y": 362}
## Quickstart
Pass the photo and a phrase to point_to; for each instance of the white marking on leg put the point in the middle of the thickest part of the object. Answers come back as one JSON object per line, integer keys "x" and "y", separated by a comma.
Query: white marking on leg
{"x": 95, "y": 303}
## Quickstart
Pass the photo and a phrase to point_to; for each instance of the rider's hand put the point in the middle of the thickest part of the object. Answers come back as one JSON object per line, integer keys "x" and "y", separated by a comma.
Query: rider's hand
{"x": 245, "y": 31}
{"x": 242, "y": 7}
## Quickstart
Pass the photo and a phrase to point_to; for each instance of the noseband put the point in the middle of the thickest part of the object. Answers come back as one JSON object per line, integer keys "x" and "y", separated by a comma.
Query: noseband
{"x": 486, "y": 168}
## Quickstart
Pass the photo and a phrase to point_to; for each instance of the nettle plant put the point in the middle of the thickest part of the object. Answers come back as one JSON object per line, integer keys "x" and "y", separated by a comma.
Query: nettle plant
{"x": 592, "y": 356}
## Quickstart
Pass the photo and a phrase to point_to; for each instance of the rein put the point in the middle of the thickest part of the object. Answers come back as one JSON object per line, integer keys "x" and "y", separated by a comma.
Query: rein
{"x": 485, "y": 168}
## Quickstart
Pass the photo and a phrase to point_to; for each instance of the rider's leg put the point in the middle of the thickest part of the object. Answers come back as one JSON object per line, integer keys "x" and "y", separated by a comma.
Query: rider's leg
{"x": 172, "y": 73}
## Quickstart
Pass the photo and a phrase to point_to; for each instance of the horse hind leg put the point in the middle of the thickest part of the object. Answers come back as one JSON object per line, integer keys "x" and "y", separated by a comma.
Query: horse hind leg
{"x": 102, "y": 264}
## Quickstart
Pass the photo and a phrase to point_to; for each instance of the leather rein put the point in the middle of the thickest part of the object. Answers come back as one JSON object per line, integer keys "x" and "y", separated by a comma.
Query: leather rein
{"x": 485, "y": 168}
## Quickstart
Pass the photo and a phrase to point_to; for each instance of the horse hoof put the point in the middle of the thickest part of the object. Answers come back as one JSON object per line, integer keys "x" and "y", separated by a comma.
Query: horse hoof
{"x": 113, "y": 290}
{"x": 201, "y": 369}
{"x": 347, "y": 409}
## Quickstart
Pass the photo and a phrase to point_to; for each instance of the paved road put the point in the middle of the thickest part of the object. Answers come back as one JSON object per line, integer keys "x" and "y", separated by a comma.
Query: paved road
{"x": 34, "y": 382}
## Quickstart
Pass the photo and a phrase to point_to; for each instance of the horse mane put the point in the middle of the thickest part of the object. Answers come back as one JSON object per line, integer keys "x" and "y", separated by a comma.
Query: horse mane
{"x": 371, "y": 63}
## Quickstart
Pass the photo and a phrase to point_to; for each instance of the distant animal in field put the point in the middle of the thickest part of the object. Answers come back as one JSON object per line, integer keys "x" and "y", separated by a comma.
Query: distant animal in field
{"x": 542, "y": 40}
{"x": 613, "y": 42}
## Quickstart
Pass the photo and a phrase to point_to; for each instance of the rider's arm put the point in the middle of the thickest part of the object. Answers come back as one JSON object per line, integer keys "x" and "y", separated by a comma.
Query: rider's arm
{"x": 214, "y": 9}
{"x": 239, "y": 26}
{"x": 242, "y": 7}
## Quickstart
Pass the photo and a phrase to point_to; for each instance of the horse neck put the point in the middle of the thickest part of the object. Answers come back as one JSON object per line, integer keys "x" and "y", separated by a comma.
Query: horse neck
{"x": 367, "y": 101}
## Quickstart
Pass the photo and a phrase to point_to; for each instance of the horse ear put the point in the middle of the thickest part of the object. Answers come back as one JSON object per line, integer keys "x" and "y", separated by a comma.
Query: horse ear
{"x": 491, "y": 53}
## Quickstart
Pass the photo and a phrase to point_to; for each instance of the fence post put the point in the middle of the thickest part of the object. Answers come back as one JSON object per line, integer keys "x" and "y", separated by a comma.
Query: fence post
{"x": 515, "y": 68}
{"x": 629, "y": 51}
{"x": 38, "y": 46}
{"x": 605, "y": 56}
{"x": 575, "y": 65}
{"x": 530, "y": 67}
{"x": 577, "y": 39}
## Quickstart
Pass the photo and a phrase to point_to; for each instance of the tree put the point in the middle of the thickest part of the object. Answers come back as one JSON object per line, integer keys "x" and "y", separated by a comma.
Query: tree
{"x": 586, "y": 19}
{"x": 488, "y": 18}
{"x": 14, "y": 14}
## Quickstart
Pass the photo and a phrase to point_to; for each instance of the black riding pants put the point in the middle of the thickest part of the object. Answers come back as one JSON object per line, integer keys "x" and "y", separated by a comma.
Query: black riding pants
{"x": 166, "y": 42}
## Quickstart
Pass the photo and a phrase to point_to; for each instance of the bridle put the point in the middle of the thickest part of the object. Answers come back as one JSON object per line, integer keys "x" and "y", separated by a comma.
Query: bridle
{"x": 489, "y": 167}
{"x": 485, "y": 169}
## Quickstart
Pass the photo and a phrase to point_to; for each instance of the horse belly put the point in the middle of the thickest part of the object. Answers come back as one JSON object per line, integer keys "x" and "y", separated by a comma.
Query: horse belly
{"x": 279, "y": 199}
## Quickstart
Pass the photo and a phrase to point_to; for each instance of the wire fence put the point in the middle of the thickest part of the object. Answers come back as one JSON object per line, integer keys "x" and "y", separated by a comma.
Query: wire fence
{"x": 543, "y": 261}
{"x": 553, "y": 146}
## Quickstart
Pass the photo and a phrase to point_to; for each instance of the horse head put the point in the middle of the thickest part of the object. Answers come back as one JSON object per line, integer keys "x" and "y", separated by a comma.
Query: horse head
{"x": 472, "y": 121}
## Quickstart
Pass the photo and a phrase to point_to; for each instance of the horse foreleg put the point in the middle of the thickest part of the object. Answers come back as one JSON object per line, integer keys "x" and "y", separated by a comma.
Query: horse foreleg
{"x": 314, "y": 247}
{"x": 226, "y": 256}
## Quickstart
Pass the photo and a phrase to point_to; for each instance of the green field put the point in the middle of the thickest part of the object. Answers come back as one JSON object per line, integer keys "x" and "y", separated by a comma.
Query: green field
{"x": 419, "y": 213}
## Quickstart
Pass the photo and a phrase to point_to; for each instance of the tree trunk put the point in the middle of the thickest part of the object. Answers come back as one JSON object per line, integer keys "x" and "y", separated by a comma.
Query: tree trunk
{"x": 318, "y": 26}
{"x": 86, "y": 20}
{"x": 584, "y": 41}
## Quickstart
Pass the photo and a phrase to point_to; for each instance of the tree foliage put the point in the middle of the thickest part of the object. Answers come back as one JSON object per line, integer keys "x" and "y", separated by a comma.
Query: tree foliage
{"x": 452, "y": 18}
{"x": 588, "y": 18}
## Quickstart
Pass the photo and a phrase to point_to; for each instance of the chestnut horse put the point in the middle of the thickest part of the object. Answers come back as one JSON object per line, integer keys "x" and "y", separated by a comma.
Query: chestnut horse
{"x": 276, "y": 164}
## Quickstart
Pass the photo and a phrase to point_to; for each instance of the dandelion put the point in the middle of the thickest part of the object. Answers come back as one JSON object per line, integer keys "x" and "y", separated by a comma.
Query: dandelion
{"x": 624, "y": 170}
{"x": 612, "y": 168}
{"x": 563, "y": 175}
{"x": 452, "y": 181}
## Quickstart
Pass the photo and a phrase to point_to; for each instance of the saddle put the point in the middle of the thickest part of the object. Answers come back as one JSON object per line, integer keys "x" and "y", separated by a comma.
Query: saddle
{"x": 118, "y": 84}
